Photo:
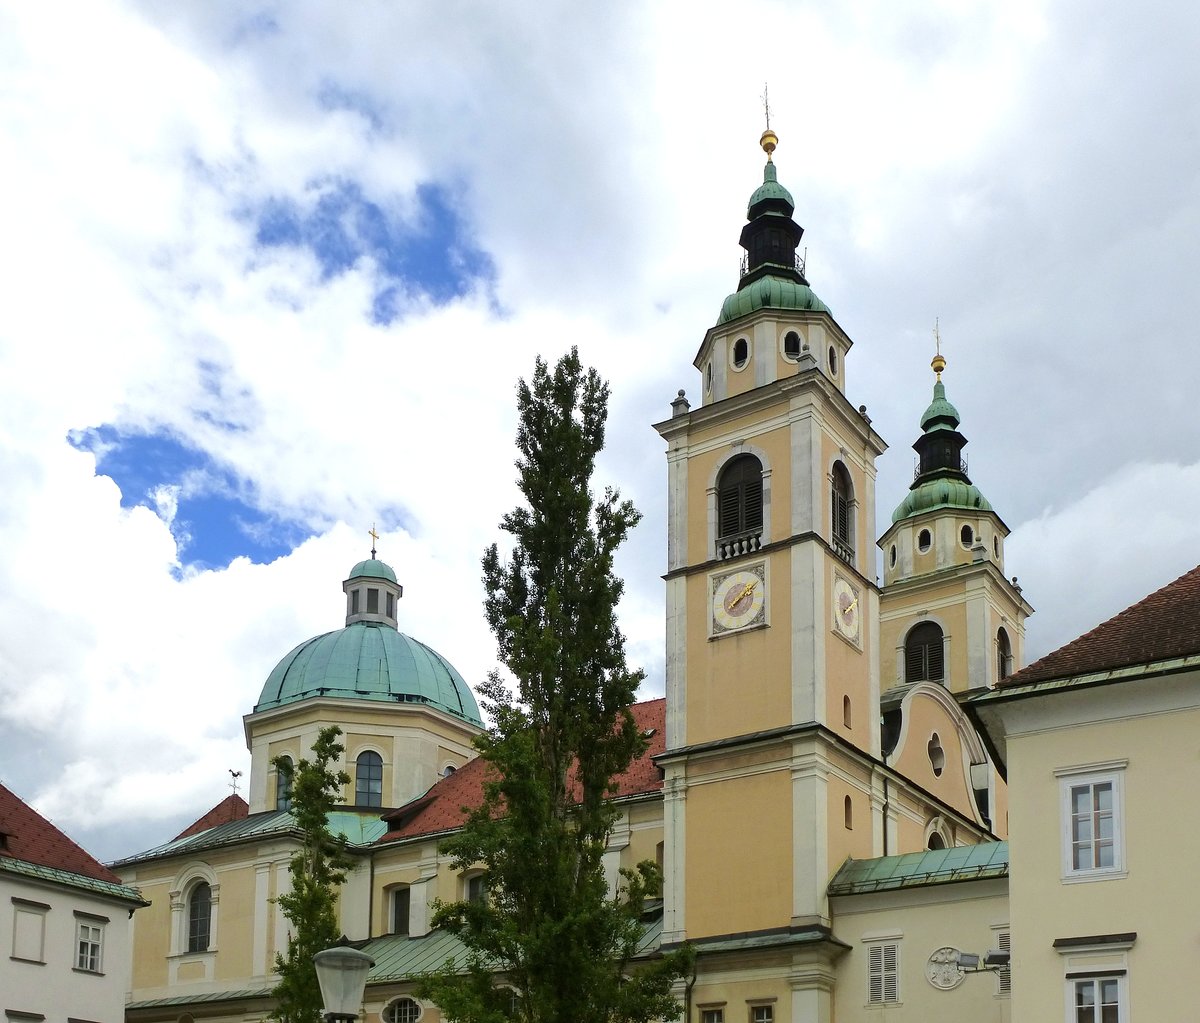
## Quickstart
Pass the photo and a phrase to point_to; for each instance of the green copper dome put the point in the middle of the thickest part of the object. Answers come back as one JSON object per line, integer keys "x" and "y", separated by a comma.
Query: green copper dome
{"x": 770, "y": 189}
{"x": 941, "y": 493}
{"x": 372, "y": 569}
{"x": 373, "y": 662}
{"x": 940, "y": 414}
{"x": 770, "y": 292}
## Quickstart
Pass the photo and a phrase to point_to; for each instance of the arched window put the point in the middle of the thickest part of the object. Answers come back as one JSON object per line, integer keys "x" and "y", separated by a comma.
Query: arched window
{"x": 935, "y": 841}
{"x": 283, "y": 783}
{"x": 843, "y": 495}
{"x": 1004, "y": 659}
{"x": 475, "y": 888}
{"x": 791, "y": 346}
{"x": 368, "y": 779}
{"x": 740, "y": 497}
{"x": 199, "y": 917}
{"x": 848, "y": 809}
{"x": 923, "y": 656}
{"x": 846, "y": 718}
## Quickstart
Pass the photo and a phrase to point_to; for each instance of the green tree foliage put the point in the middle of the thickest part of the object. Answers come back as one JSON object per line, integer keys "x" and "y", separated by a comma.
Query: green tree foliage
{"x": 318, "y": 872}
{"x": 549, "y": 925}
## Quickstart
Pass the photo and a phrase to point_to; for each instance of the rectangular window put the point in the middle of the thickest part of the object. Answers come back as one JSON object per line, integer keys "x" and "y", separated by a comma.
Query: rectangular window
{"x": 372, "y": 601}
{"x": 762, "y": 1014}
{"x": 1091, "y": 819}
{"x": 29, "y": 930}
{"x": 883, "y": 974}
{"x": 354, "y": 602}
{"x": 1097, "y": 1000}
{"x": 1004, "y": 974}
{"x": 401, "y": 904}
{"x": 391, "y": 605}
{"x": 476, "y": 888}
{"x": 712, "y": 1016}
{"x": 87, "y": 949}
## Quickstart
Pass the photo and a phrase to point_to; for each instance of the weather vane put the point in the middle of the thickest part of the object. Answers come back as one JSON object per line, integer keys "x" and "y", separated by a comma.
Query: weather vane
{"x": 374, "y": 537}
{"x": 234, "y": 784}
{"x": 766, "y": 106}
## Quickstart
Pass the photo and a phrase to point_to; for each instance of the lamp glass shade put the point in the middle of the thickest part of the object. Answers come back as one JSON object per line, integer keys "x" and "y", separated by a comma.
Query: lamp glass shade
{"x": 342, "y": 976}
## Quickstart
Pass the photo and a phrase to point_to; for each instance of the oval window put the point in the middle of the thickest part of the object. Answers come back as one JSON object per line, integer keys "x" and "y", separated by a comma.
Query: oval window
{"x": 791, "y": 345}
{"x": 924, "y": 540}
{"x": 833, "y": 362}
{"x": 893, "y": 555}
{"x": 968, "y": 536}
{"x": 741, "y": 352}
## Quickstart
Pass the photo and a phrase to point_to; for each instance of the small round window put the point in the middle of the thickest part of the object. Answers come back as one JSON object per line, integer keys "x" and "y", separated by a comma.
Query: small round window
{"x": 893, "y": 556}
{"x": 791, "y": 346}
{"x": 833, "y": 362}
{"x": 741, "y": 352}
{"x": 968, "y": 536}
{"x": 402, "y": 1010}
{"x": 924, "y": 540}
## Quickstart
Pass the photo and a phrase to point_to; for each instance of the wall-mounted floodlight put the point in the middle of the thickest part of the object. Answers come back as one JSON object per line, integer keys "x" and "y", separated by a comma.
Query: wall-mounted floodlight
{"x": 992, "y": 961}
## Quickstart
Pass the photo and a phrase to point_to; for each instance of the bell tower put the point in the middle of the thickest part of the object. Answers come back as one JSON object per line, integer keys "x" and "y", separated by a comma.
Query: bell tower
{"x": 949, "y": 615}
{"x": 772, "y": 609}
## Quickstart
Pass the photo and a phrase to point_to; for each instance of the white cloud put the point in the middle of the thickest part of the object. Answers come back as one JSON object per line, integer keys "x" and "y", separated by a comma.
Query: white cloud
{"x": 998, "y": 168}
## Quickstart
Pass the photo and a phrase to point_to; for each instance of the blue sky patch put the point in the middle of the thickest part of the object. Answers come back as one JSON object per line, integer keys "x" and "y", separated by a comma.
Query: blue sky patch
{"x": 433, "y": 256}
{"x": 215, "y": 519}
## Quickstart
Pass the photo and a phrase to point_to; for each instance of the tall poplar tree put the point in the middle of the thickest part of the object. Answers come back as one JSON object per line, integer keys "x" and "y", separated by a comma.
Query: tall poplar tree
{"x": 318, "y": 871}
{"x": 549, "y": 926}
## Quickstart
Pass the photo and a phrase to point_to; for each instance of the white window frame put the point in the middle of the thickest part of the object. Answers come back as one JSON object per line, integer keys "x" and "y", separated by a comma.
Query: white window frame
{"x": 712, "y": 1013}
{"x": 879, "y": 972}
{"x": 1002, "y": 941}
{"x": 91, "y": 961}
{"x": 1070, "y": 779}
{"x": 394, "y": 1004}
{"x": 1095, "y": 979}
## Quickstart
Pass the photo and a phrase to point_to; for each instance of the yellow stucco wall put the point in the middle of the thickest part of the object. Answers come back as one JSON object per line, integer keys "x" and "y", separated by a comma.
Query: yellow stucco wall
{"x": 726, "y": 890}
{"x": 1156, "y": 898}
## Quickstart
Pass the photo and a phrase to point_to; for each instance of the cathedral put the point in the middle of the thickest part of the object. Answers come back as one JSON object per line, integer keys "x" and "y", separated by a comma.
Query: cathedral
{"x": 835, "y": 769}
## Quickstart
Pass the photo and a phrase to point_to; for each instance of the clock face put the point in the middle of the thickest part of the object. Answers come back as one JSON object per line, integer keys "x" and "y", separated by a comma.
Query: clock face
{"x": 847, "y": 611}
{"x": 739, "y": 599}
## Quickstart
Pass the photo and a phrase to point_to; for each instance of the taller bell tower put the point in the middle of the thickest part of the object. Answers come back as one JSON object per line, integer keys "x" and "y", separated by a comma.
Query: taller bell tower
{"x": 773, "y": 677}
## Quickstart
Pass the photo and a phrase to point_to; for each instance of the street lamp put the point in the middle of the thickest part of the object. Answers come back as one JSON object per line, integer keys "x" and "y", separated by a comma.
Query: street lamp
{"x": 342, "y": 974}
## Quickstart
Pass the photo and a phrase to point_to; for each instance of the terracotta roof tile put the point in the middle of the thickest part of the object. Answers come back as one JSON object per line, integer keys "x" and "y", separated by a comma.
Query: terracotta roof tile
{"x": 30, "y": 837}
{"x": 232, "y": 808}
{"x": 1163, "y": 626}
{"x": 446, "y": 805}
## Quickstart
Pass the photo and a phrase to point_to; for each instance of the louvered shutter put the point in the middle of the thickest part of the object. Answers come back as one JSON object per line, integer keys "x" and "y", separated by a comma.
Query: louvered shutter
{"x": 875, "y": 974}
{"x": 1005, "y": 974}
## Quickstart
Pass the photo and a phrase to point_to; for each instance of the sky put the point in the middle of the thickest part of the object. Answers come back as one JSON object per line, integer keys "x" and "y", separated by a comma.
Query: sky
{"x": 271, "y": 272}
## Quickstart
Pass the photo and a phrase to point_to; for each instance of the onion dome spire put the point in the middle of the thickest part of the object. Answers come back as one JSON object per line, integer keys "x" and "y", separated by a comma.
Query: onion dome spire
{"x": 941, "y": 479}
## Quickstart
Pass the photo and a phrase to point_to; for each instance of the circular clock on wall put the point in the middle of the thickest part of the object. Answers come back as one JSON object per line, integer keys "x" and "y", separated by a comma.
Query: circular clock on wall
{"x": 847, "y": 610}
{"x": 739, "y": 599}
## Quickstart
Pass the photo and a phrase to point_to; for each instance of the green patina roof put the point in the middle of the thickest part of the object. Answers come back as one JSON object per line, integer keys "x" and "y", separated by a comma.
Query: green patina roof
{"x": 770, "y": 293}
{"x": 920, "y": 869}
{"x": 941, "y": 493}
{"x": 369, "y": 661}
{"x": 940, "y": 414}
{"x": 360, "y": 827}
{"x": 372, "y": 569}
{"x": 770, "y": 189}
{"x": 94, "y": 885}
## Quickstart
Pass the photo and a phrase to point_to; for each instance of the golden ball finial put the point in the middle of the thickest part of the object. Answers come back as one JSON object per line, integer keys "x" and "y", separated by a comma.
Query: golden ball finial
{"x": 938, "y": 364}
{"x": 768, "y": 141}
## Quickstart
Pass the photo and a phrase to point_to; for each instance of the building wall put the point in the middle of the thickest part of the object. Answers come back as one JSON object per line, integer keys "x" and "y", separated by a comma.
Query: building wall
{"x": 38, "y": 950}
{"x": 1143, "y": 731}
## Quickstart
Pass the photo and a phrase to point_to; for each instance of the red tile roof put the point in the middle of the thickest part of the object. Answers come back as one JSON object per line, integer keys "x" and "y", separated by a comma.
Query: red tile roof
{"x": 30, "y": 837}
{"x": 446, "y": 805}
{"x": 1163, "y": 626}
{"x": 231, "y": 808}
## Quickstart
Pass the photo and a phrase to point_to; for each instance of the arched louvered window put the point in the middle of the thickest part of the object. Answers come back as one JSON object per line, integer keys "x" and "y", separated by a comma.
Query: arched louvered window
{"x": 1004, "y": 659}
{"x": 283, "y": 785}
{"x": 199, "y": 917}
{"x": 740, "y": 497}
{"x": 842, "y": 519}
{"x": 368, "y": 779}
{"x": 924, "y": 660}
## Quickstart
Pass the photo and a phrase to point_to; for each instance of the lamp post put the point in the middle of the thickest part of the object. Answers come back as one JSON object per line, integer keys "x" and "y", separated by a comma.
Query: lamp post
{"x": 342, "y": 975}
